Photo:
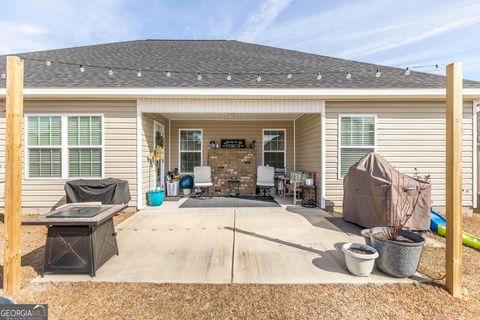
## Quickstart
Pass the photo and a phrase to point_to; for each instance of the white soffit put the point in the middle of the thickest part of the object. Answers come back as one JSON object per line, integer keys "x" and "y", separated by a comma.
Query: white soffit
{"x": 232, "y": 116}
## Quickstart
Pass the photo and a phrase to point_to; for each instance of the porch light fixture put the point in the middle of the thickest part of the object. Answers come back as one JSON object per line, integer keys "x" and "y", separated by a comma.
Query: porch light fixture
{"x": 139, "y": 73}
{"x": 110, "y": 72}
{"x": 378, "y": 74}
{"x": 82, "y": 68}
{"x": 168, "y": 74}
{"x": 48, "y": 63}
{"x": 319, "y": 76}
{"x": 259, "y": 78}
{"x": 289, "y": 76}
{"x": 199, "y": 77}
{"x": 229, "y": 77}
{"x": 407, "y": 71}
{"x": 349, "y": 75}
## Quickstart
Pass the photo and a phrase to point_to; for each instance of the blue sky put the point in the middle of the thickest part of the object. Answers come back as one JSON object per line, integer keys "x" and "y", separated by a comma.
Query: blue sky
{"x": 391, "y": 32}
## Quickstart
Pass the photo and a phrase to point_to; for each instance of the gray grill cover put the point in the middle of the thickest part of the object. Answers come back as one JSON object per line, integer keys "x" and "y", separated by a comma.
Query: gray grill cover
{"x": 106, "y": 191}
{"x": 370, "y": 186}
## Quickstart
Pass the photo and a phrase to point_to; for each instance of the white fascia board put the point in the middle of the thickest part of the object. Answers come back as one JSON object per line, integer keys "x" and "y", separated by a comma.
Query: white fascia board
{"x": 124, "y": 93}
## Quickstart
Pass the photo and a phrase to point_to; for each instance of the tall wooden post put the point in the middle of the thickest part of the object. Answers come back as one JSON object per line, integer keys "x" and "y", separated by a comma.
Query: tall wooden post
{"x": 13, "y": 176}
{"x": 454, "y": 105}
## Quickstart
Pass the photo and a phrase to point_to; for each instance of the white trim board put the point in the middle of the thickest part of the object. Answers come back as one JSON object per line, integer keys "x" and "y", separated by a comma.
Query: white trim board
{"x": 475, "y": 105}
{"x": 123, "y": 93}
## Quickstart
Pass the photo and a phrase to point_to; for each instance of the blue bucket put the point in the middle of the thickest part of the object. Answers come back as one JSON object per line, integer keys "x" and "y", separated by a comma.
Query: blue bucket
{"x": 155, "y": 197}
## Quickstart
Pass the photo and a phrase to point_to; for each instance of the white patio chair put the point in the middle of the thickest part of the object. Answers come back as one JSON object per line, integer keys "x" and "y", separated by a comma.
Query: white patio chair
{"x": 202, "y": 180}
{"x": 265, "y": 180}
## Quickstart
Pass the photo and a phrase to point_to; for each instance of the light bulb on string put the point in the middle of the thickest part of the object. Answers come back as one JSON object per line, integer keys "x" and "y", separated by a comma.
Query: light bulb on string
{"x": 437, "y": 68}
{"x": 199, "y": 77}
{"x": 229, "y": 77}
{"x": 110, "y": 72}
{"x": 259, "y": 78}
{"x": 319, "y": 76}
{"x": 349, "y": 75}
{"x": 3, "y": 75}
{"x": 139, "y": 73}
{"x": 48, "y": 63}
{"x": 407, "y": 71}
{"x": 378, "y": 74}
{"x": 82, "y": 68}
{"x": 168, "y": 74}
{"x": 289, "y": 76}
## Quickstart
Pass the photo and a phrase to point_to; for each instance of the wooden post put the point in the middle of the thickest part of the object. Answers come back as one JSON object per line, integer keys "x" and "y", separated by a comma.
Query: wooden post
{"x": 454, "y": 108}
{"x": 13, "y": 176}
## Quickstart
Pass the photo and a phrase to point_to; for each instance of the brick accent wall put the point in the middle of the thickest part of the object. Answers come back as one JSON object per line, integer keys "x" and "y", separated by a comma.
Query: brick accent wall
{"x": 226, "y": 163}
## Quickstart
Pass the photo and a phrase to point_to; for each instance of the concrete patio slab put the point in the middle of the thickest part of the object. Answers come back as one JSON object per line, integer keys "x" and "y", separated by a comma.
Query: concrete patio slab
{"x": 285, "y": 244}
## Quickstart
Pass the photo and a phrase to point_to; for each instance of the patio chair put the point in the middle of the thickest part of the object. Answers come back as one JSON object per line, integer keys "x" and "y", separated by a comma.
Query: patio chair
{"x": 202, "y": 180}
{"x": 265, "y": 180}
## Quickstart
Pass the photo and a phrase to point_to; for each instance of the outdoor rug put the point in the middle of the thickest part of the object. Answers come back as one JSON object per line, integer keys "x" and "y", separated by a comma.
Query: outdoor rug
{"x": 229, "y": 202}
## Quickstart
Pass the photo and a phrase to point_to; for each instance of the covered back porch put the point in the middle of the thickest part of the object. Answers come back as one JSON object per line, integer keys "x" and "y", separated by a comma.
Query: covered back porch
{"x": 284, "y": 134}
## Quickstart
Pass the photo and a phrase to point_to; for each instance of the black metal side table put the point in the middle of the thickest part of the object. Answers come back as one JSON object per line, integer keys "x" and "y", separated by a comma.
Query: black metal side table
{"x": 233, "y": 188}
{"x": 309, "y": 196}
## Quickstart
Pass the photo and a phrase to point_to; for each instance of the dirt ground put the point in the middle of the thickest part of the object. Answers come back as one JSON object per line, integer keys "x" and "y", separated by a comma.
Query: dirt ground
{"x": 191, "y": 301}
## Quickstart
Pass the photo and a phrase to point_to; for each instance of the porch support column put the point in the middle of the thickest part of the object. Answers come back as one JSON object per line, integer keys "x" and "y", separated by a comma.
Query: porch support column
{"x": 139, "y": 160}
{"x": 323, "y": 156}
{"x": 454, "y": 106}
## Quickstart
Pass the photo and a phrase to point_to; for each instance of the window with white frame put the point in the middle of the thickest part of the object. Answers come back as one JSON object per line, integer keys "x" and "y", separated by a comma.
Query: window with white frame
{"x": 357, "y": 138}
{"x": 274, "y": 148}
{"x": 190, "y": 149}
{"x": 53, "y": 153}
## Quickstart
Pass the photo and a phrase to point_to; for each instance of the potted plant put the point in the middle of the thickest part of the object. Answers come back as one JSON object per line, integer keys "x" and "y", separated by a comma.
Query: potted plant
{"x": 400, "y": 250}
{"x": 360, "y": 258}
{"x": 173, "y": 179}
{"x": 155, "y": 197}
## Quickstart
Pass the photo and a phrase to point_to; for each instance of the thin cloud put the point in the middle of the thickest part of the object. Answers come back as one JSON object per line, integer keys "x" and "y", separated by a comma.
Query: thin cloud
{"x": 258, "y": 21}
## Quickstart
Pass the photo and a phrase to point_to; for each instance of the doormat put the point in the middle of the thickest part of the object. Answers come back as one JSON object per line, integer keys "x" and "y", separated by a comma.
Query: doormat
{"x": 229, "y": 202}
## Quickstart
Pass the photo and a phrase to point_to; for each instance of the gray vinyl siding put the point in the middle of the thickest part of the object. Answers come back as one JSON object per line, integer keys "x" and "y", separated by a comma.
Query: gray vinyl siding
{"x": 308, "y": 147}
{"x": 147, "y": 147}
{"x": 409, "y": 135}
{"x": 119, "y": 140}
{"x": 229, "y": 129}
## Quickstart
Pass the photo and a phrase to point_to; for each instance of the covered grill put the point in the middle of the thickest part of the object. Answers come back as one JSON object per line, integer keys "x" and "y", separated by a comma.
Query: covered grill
{"x": 368, "y": 189}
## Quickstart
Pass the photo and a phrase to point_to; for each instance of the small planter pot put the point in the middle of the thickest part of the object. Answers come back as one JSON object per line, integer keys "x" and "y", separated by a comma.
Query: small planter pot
{"x": 155, "y": 197}
{"x": 359, "y": 264}
{"x": 187, "y": 192}
{"x": 399, "y": 259}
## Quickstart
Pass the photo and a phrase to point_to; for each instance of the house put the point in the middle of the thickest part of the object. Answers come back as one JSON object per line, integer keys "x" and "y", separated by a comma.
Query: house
{"x": 98, "y": 111}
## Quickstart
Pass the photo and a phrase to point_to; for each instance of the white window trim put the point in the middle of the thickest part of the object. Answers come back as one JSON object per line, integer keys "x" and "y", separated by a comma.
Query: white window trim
{"x": 180, "y": 149}
{"x": 339, "y": 138}
{"x": 64, "y": 145}
{"x": 284, "y": 146}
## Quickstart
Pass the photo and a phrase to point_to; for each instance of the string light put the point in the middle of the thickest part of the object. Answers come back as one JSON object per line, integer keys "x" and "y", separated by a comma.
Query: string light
{"x": 3, "y": 75}
{"x": 228, "y": 77}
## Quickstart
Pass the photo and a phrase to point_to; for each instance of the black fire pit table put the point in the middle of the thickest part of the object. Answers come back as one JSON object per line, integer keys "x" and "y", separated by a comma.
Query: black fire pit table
{"x": 81, "y": 237}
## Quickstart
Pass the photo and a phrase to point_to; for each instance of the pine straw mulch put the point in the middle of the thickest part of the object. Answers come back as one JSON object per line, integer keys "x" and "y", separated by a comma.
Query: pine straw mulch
{"x": 192, "y": 301}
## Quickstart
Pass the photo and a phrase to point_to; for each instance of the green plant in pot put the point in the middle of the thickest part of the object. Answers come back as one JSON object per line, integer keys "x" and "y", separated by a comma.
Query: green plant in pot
{"x": 399, "y": 249}
{"x": 155, "y": 197}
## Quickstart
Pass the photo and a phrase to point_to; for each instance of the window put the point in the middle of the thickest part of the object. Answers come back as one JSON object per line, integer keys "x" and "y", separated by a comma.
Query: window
{"x": 190, "y": 149}
{"x": 357, "y": 138}
{"x": 274, "y": 148}
{"x": 76, "y": 153}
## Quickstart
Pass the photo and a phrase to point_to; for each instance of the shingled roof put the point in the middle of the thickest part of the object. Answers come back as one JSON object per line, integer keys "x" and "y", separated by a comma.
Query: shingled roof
{"x": 243, "y": 60}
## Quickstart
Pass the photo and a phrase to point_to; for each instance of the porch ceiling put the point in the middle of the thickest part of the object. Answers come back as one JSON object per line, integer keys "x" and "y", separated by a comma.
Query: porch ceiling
{"x": 231, "y": 116}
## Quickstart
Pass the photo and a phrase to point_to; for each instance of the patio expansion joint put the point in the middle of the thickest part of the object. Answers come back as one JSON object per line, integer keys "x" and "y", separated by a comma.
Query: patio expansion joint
{"x": 233, "y": 243}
